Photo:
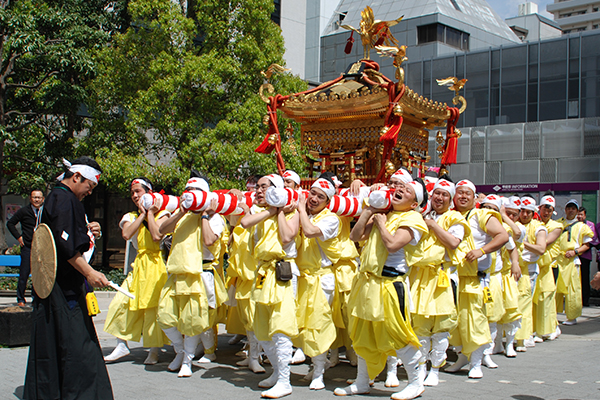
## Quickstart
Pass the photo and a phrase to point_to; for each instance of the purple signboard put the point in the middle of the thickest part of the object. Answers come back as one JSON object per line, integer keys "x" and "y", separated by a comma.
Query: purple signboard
{"x": 540, "y": 187}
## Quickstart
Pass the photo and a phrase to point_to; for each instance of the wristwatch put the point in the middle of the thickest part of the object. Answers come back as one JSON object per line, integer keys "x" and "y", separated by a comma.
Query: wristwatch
{"x": 205, "y": 217}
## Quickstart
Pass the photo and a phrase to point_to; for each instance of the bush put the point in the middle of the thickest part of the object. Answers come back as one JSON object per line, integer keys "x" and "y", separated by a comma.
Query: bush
{"x": 115, "y": 275}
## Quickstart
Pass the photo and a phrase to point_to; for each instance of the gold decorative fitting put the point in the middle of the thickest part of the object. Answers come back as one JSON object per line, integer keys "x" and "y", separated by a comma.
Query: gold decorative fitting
{"x": 266, "y": 120}
{"x": 384, "y": 130}
{"x": 390, "y": 168}
{"x": 457, "y": 132}
{"x": 398, "y": 110}
{"x": 439, "y": 138}
{"x": 272, "y": 139}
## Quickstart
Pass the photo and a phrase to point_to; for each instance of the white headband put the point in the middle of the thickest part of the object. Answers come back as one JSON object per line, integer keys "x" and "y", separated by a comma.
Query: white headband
{"x": 528, "y": 203}
{"x": 494, "y": 200}
{"x": 336, "y": 181}
{"x": 142, "y": 182}
{"x": 402, "y": 175}
{"x": 548, "y": 201}
{"x": 448, "y": 186}
{"x": 289, "y": 174}
{"x": 418, "y": 191}
{"x": 198, "y": 183}
{"x": 467, "y": 183}
{"x": 325, "y": 186}
{"x": 276, "y": 180}
{"x": 513, "y": 202}
{"x": 84, "y": 170}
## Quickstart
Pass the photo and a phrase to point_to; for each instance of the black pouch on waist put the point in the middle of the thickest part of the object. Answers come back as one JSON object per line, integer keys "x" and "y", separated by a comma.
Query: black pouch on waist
{"x": 283, "y": 271}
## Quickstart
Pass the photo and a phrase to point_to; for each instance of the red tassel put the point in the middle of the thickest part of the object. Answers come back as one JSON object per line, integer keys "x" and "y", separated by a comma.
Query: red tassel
{"x": 265, "y": 147}
{"x": 451, "y": 147}
{"x": 349, "y": 43}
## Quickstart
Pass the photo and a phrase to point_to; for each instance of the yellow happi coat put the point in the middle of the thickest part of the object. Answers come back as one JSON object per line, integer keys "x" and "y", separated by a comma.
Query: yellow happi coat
{"x": 510, "y": 289}
{"x": 184, "y": 303}
{"x": 345, "y": 271}
{"x": 525, "y": 293}
{"x": 130, "y": 319}
{"x": 275, "y": 307}
{"x": 430, "y": 284}
{"x": 473, "y": 328}
{"x": 377, "y": 325}
{"x": 568, "y": 285}
{"x": 315, "y": 317}
{"x": 241, "y": 274}
{"x": 544, "y": 296}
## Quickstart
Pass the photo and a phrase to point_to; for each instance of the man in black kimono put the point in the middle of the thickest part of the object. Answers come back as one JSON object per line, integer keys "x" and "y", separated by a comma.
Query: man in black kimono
{"x": 65, "y": 358}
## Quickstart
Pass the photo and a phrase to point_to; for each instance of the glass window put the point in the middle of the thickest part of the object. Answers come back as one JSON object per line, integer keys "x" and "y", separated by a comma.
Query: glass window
{"x": 444, "y": 34}
{"x": 276, "y": 15}
{"x": 515, "y": 56}
{"x": 574, "y": 47}
{"x": 553, "y": 110}
{"x": 427, "y": 33}
{"x": 453, "y": 37}
{"x": 553, "y": 90}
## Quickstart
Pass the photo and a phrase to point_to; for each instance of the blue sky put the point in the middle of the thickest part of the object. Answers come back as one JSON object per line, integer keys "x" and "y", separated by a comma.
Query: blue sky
{"x": 510, "y": 8}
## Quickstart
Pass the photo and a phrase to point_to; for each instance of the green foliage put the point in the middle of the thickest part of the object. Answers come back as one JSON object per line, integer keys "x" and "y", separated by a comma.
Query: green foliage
{"x": 48, "y": 61}
{"x": 10, "y": 283}
{"x": 115, "y": 275}
{"x": 169, "y": 86}
{"x": 180, "y": 86}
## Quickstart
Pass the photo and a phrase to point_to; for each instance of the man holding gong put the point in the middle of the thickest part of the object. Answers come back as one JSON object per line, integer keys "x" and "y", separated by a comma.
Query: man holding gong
{"x": 65, "y": 358}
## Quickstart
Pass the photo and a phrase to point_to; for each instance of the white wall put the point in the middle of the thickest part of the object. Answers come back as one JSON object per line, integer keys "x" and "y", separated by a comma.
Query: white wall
{"x": 293, "y": 28}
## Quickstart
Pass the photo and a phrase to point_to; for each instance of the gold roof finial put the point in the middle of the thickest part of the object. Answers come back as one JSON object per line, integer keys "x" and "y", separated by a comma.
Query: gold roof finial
{"x": 373, "y": 31}
{"x": 455, "y": 85}
{"x": 273, "y": 69}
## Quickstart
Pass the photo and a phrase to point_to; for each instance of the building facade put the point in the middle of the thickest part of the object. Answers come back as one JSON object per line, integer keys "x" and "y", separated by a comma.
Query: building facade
{"x": 430, "y": 28}
{"x": 576, "y": 15}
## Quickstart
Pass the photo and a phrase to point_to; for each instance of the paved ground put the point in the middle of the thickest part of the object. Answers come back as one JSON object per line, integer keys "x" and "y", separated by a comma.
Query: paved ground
{"x": 568, "y": 368}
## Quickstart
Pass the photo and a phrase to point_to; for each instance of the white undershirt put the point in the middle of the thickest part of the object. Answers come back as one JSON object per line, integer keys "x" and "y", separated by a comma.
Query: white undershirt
{"x": 397, "y": 260}
{"x": 329, "y": 227}
{"x": 217, "y": 225}
{"x": 480, "y": 238}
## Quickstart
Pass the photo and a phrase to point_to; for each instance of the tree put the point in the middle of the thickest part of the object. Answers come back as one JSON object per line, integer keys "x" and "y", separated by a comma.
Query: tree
{"x": 46, "y": 50}
{"x": 180, "y": 86}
